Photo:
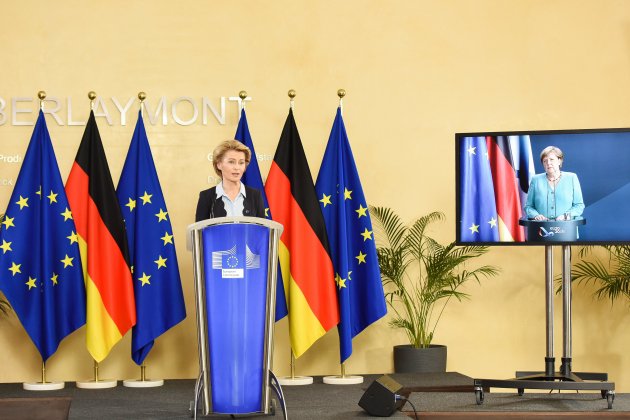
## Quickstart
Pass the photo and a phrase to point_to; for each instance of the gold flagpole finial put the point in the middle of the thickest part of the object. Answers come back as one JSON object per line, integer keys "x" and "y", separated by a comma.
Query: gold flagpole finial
{"x": 41, "y": 95}
{"x": 242, "y": 95}
{"x": 341, "y": 93}
{"x": 142, "y": 96}
{"x": 291, "y": 94}
{"x": 92, "y": 96}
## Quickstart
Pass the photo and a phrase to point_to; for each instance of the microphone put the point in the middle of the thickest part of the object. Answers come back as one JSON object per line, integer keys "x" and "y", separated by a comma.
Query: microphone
{"x": 212, "y": 208}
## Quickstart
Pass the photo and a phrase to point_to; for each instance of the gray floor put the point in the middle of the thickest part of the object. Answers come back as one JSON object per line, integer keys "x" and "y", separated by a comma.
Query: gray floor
{"x": 316, "y": 401}
{"x": 171, "y": 401}
{"x": 529, "y": 402}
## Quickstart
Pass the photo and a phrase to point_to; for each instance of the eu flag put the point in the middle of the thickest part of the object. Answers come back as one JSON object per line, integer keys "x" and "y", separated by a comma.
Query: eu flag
{"x": 479, "y": 221}
{"x": 156, "y": 281}
{"x": 252, "y": 178}
{"x": 40, "y": 264}
{"x": 351, "y": 239}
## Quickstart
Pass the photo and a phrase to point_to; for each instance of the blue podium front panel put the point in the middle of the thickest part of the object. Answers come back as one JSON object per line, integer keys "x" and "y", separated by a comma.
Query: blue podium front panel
{"x": 235, "y": 261}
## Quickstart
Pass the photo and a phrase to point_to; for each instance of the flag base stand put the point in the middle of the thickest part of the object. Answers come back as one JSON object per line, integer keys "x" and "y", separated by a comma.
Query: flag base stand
{"x": 100, "y": 384}
{"x": 143, "y": 383}
{"x": 343, "y": 380}
{"x": 97, "y": 383}
{"x": 43, "y": 386}
{"x": 295, "y": 380}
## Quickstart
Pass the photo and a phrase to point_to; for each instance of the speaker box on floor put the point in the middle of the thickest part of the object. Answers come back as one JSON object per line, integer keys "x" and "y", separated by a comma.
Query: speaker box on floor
{"x": 381, "y": 398}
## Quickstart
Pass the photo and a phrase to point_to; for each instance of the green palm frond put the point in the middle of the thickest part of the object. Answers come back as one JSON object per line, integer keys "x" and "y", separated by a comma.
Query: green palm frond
{"x": 611, "y": 277}
{"x": 417, "y": 239}
{"x": 391, "y": 225}
{"x": 420, "y": 275}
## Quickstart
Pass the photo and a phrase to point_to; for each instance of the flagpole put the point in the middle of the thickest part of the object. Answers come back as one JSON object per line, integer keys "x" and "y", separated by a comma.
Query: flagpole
{"x": 43, "y": 385}
{"x": 341, "y": 93}
{"x": 294, "y": 380}
{"x": 142, "y": 96}
{"x": 143, "y": 382}
{"x": 96, "y": 383}
{"x": 41, "y": 95}
{"x": 241, "y": 104}
{"x": 292, "y": 95}
{"x": 92, "y": 96}
{"x": 342, "y": 379}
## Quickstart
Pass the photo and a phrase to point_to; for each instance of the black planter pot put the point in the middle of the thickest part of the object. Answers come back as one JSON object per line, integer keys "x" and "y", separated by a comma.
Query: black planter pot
{"x": 408, "y": 359}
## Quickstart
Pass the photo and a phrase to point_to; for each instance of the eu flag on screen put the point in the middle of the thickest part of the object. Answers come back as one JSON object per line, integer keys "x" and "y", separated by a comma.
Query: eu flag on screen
{"x": 40, "y": 265}
{"x": 351, "y": 239}
{"x": 155, "y": 273}
{"x": 252, "y": 178}
{"x": 478, "y": 213}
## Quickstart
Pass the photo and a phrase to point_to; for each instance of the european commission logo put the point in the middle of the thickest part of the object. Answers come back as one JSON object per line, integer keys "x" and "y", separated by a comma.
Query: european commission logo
{"x": 233, "y": 264}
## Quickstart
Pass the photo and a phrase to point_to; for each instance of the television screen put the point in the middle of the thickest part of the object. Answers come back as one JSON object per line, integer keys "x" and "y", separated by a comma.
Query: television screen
{"x": 576, "y": 192}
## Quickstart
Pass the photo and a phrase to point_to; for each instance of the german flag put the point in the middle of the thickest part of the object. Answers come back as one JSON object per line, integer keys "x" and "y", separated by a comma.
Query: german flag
{"x": 103, "y": 243}
{"x": 305, "y": 261}
{"x": 506, "y": 189}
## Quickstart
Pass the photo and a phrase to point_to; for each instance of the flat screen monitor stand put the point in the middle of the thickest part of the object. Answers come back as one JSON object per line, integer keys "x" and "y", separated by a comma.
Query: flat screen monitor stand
{"x": 565, "y": 379}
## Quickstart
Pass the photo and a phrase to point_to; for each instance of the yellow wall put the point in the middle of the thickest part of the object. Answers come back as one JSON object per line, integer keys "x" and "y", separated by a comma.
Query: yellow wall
{"x": 416, "y": 72}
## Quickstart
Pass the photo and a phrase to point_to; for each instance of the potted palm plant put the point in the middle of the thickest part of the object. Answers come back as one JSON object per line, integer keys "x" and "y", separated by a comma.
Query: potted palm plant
{"x": 420, "y": 277}
{"x": 612, "y": 278}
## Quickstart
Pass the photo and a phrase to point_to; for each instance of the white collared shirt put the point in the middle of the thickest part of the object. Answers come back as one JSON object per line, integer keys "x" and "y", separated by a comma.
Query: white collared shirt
{"x": 232, "y": 208}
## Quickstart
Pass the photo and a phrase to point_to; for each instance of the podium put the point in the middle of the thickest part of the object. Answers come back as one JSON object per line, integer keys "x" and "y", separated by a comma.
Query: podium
{"x": 552, "y": 231}
{"x": 235, "y": 262}
{"x": 548, "y": 233}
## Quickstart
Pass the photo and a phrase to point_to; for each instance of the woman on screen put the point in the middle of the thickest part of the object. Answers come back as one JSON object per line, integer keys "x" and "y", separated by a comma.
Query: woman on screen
{"x": 554, "y": 195}
{"x": 230, "y": 197}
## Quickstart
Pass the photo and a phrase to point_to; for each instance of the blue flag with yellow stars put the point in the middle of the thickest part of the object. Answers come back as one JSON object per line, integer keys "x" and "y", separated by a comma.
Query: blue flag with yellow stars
{"x": 252, "y": 178}
{"x": 40, "y": 265}
{"x": 155, "y": 273}
{"x": 350, "y": 235}
{"x": 479, "y": 220}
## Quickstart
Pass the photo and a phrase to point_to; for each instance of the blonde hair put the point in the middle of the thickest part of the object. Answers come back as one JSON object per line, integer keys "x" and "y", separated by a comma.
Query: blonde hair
{"x": 226, "y": 146}
{"x": 552, "y": 149}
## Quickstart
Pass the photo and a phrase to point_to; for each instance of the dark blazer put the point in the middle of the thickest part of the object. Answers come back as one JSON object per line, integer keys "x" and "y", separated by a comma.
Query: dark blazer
{"x": 209, "y": 206}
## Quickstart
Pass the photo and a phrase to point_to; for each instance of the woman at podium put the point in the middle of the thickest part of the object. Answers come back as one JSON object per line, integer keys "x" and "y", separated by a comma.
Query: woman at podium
{"x": 554, "y": 195}
{"x": 230, "y": 197}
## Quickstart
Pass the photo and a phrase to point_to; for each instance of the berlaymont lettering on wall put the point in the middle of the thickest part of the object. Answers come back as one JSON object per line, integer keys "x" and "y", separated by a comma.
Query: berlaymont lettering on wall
{"x": 182, "y": 110}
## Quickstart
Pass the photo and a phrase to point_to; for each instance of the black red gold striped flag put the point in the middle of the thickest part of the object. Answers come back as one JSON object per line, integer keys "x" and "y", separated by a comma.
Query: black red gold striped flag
{"x": 103, "y": 243}
{"x": 304, "y": 254}
{"x": 506, "y": 189}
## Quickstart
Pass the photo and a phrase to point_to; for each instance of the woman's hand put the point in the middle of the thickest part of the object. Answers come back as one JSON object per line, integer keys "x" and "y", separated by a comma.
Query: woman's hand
{"x": 540, "y": 217}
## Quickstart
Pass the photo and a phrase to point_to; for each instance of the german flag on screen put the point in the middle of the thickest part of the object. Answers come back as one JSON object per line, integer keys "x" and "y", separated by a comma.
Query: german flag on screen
{"x": 506, "y": 189}
{"x": 103, "y": 244}
{"x": 304, "y": 254}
